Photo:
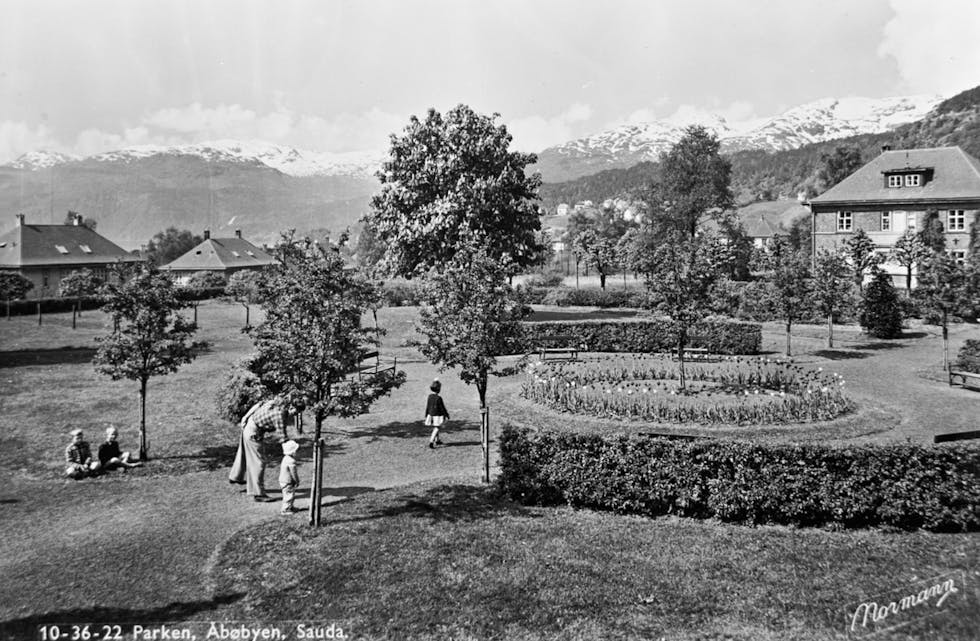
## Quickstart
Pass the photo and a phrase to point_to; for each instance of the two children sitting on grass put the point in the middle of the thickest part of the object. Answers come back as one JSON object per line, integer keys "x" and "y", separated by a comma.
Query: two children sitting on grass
{"x": 79, "y": 462}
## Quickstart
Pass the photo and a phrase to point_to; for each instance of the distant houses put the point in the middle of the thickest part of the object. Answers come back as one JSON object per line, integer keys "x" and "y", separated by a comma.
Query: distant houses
{"x": 221, "y": 256}
{"x": 894, "y": 193}
{"x": 44, "y": 254}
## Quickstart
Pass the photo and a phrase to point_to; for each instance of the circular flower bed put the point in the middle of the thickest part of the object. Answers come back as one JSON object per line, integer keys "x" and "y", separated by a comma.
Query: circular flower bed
{"x": 733, "y": 391}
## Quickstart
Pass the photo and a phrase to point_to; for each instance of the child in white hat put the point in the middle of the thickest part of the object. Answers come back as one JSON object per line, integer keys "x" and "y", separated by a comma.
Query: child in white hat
{"x": 288, "y": 476}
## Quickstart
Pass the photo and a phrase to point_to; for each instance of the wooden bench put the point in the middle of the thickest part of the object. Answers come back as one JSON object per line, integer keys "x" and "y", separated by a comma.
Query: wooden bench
{"x": 559, "y": 346}
{"x": 956, "y": 436}
{"x": 373, "y": 369}
{"x": 967, "y": 379}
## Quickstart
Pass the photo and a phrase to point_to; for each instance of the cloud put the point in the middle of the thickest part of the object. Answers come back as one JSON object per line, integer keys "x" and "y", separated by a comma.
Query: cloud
{"x": 534, "y": 133}
{"x": 18, "y": 138}
{"x": 734, "y": 114}
{"x": 934, "y": 44}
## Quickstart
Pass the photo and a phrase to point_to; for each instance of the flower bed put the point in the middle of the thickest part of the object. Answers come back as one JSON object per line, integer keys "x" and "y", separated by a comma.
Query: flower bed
{"x": 734, "y": 391}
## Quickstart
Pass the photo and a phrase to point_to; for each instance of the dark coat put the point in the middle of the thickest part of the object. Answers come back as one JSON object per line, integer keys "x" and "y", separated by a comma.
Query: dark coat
{"x": 435, "y": 407}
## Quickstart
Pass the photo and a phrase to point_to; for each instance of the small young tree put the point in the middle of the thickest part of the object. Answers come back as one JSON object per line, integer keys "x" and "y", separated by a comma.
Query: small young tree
{"x": 81, "y": 282}
{"x": 598, "y": 251}
{"x": 680, "y": 276}
{"x": 246, "y": 288}
{"x": 881, "y": 314}
{"x": 943, "y": 290}
{"x": 932, "y": 234}
{"x": 790, "y": 283}
{"x": 149, "y": 337}
{"x": 862, "y": 255}
{"x": 13, "y": 286}
{"x": 833, "y": 287}
{"x": 312, "y": 339}
{"x": 909, "y": 251}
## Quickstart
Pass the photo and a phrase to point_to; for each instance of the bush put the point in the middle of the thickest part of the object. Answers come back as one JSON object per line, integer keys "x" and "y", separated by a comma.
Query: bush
{"x": 717, "y": 335}
{"x": 570, "y": 297}
{"x": 240, "y": 390}
{"x": 904, "y": 486}
{"x": 51, "y": 305}
{"x": 881, "y": 313}
{"x": 401, "y": 294}
{"x": 970, "y": 348}
{"x": 550, "y": 278}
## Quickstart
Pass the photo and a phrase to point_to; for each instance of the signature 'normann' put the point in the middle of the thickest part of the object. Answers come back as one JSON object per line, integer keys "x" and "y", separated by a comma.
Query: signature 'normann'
{"x": 870, "y": 611}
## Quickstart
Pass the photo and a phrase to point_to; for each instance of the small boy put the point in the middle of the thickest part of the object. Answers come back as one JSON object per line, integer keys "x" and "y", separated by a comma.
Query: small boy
{"x": 288, "y": 476}
{"x": 78, "y": 457}
{"x": 110, "y": 456}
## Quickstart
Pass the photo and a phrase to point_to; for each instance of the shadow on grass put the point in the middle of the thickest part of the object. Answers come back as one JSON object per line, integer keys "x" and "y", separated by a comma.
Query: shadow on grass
{"x": 411, "y": 429}
{"x": 837, "y": 355}
{"x": 447, "y": 504}
{"x": 541, "y": 316}
{"x": 59, "y": 356}
{"x": 26, "y": 628}
{"x": 878, "y": 346}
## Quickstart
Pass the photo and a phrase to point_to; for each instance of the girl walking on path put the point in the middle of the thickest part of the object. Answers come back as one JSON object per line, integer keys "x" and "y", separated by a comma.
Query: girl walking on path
{"x": 435, "y": 413}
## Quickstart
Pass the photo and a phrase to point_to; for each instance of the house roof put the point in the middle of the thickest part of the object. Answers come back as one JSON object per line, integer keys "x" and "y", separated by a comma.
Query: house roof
{"x": 956, "y": 176}
{"x": 57, "y": 245}
{"x": 764, "y": 219}
{"x": 222, "y": 254}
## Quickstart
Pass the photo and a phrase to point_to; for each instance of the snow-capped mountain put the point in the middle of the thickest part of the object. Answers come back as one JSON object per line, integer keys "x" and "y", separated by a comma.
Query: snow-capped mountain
{"x": 818, "y": 121}
{"x": 290, "y": 161}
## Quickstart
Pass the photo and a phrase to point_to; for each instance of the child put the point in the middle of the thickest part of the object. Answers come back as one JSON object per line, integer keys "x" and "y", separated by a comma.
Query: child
{"x": 78, "y": 457}
{"x": 435, "y": 413}
{"x": 288, "y": 476}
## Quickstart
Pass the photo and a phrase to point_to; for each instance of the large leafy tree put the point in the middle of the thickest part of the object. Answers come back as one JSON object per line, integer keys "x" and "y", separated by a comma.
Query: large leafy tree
{"x": 862, "y": 255}
{"x": 790, "y": 283}
{"x": 170, "y": 244}
{"x": 909, "y": 251}
{"x": 470, "y": 317}
{"x": 312, "y": 339}
{"x": 149, "y": 337}
{"x": 833, "y": 287}
{"x": 943, "y": 289}
{"x": 84, "y": 221}
{"x": 13, "y": 285}
{"x": 595, "y": 234}
{"x": 837, "y": 165}
{"x": 449, "y": 179}
{"x": 695, "y": 180}
{"x": 681, "y": 273}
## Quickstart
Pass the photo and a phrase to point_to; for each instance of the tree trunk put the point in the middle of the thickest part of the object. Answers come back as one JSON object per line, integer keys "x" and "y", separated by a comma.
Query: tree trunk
{"x": 945, "y": 342}
{"x": 144, "y": 455}
{"x": 316, "y": 489}
{"x": 247, "y": 325}
{"x": 576, "y": 280}
{"x": 602, "y": 280}
{"x": 74, "y": 313}
{"x": 681, "y": 340}
{"x": 195, "y": 313}
{"x": 485, "y": 441}
{"x": 789, "y": 348}
{"x": 830, "y": 330}
{"x": 908, "y": 279}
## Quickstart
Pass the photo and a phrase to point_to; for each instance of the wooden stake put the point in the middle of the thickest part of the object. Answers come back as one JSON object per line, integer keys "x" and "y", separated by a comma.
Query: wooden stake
{"x": 485, "y": 441}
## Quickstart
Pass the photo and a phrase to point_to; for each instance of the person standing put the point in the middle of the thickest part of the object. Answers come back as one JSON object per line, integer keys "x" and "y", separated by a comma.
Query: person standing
{"x": 435, "y": 413}
{"x": 249, "y": 466}
{"x": 288, "y": 476}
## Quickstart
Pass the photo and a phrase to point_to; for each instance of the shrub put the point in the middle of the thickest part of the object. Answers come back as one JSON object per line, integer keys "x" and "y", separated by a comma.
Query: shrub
{"x": 401, "y": 294}
{"x": 240, "y": 390}
{"x": 550, "y": 278}
{"x": 570, "y": 297}
{"x": 904, "y": 486}
{"x": 881, "y": 313}
{"x": 717, "y": 335}
{"x": 51, "y": 305}
{"x": 970, "y": 348}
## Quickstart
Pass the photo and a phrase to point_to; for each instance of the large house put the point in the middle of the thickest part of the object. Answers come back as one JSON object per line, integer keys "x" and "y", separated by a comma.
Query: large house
{"x": 222, "y": 256}
{"x": 893, "y": 193}
{"x": 44, "y": 254}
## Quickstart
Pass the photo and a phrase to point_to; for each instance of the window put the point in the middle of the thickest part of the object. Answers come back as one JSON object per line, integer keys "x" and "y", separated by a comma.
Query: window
{"x": 959, "y": 255}
{"x": 235, "y": 254}
{"x": 894, "y": 181}
{"x": 61, "y": 249}
{"x": 843, "y": 221}
{"x": 250, "y": 252}
{"x": 886, "y": 221}
{"x": 86, "y": 249}
{"x": 913, "y": 180}
{"x": 956, "y": 220}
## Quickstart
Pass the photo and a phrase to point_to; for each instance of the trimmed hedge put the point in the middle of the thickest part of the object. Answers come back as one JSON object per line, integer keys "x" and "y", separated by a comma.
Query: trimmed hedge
{"x": 568, "y": 297}
{"x": 717, "y": 335}
{"x": 971, "y": 347}
{"x": 55, "y": 305}
{"x": 904, "y": 486}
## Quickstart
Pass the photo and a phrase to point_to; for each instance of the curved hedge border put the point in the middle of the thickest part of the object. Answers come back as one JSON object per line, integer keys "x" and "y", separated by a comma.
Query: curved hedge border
{"x": 717, "y": 335}
{"x": 904, "y": 486}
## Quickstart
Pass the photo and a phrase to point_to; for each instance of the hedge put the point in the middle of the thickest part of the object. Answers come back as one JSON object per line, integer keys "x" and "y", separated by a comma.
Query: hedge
{"x": 717, "y": 335}
{"x": 55, "y": 305}
{"x": 903, "y": 486}
{"x": 971, "y": 347}
{"x": 568, "y": 297}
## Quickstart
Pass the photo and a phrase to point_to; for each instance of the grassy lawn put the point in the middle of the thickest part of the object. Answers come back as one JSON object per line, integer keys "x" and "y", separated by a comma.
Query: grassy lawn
{"x": 438, "y": 561}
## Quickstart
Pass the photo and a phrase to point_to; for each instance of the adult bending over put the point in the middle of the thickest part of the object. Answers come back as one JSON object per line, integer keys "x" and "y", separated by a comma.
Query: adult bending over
{"x": 249, "y": 466}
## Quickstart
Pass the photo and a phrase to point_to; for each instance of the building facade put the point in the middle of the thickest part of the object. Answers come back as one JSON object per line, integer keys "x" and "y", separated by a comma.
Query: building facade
{"x": 222, "y": 256}
{"x": 894, "y": 193}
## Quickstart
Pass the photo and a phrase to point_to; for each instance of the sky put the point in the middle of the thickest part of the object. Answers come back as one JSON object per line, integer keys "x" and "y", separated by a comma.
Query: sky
{"x": 87, "y": 76}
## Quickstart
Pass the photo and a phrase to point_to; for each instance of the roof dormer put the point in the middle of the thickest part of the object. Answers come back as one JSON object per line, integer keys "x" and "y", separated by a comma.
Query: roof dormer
{"x": 903, "y": 177}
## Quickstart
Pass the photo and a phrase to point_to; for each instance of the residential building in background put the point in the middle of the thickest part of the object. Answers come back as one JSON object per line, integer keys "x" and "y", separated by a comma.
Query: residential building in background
{"x": 222, "y": 256}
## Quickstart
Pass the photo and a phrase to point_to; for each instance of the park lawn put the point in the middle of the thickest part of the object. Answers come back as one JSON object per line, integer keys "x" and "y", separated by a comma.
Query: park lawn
{"x": 450, "y": 560}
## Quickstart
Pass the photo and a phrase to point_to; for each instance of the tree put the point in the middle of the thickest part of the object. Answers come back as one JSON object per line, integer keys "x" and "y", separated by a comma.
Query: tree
{"x": 198, "y": 284}
{"x": 943, "y": 289}
{"x": 369, "y": 251}
{"x": 449, "y": 180}
{"x": 680, "y": 276}
{"x": 932, "y": 235}
{"x": 149, "y": 336}
{"x": 72, "y": 216}
{"x": 833, "y": 287}
{"x": 170, "y": 244}
{"x": 80, "y": 282}
{"x": 246, "y": 288}
{"x": 790, "y": 282}
{"x": 837, "y": 165}
{"x": 740, "y": 249}
{"x": 800, "y": 235}
{"x": 312, "y": 338}
{"x": 13, "y": 286}
{"x": 910, "y": 250}
{"x": 862, "y": 255}
{"x": 881, "y": 315}
{"x": 695, "y": 180}
{"x": 471, "y": 316}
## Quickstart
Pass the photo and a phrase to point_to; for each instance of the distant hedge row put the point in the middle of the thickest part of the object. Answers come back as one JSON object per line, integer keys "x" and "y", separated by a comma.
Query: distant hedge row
{"x": 904, "y": 486}
{"x": 717, "y": 335}
{"x": 49, "y": 305}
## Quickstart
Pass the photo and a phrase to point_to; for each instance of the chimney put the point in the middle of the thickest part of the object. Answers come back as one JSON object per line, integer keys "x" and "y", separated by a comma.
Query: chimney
{"x": 886, "y": 147}
{"x": 20, "y": 220}
{"x": 78, "y": 220}
{"x": 207, "y": 234}
{"x": 238, "y": 233}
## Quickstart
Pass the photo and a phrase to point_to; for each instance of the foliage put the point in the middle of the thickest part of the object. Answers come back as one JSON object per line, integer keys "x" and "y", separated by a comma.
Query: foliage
{"x": 550, "y": 278}
{"x": 694, "y": 181}
{"x": 932, "y": 234}
{"x": 471, "y": 315}
{"x": 590, "y": 297}
{"x": 971, "y": 347}
{"x": 149, "y": 337}
{"x": 368, "y": 250}
{"x": 312, "y": 338}
{"x": 401, "y": 294}
{"x": 241, "y": 389}
{"x": 904, "y": 486}
{"x": 646, "y": 335}
{"x": 833, "y": 293}
{"x": 595, "y": 236}
{"x": 861, "y": 253}
{"x": 800, "y": 235}
{"x": 204, "y": 280}
{"x": 740, "y": 249}
{"x": 734, "y": 391}
{"x": 13, "y": 286}
{"x": 84, "y": 221}
{"x": 170, "y": 244}
{"x": 80, "y": 282}
{"x": 881, "y": 314}
{"x": 449, "y": 181}
{"x": 246, "y": 286}
{"x": 837, "y": 165}
{"x": 790, "y": 283}
{"x": 910, "y": 250}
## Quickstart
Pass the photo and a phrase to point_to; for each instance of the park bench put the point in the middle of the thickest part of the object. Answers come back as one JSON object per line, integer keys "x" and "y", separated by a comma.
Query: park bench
{"x": 559, "y": 346}
{"x": 967, "y": 379}
{"x": 370, "y": 365}
{"x": 956, "y": 436}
